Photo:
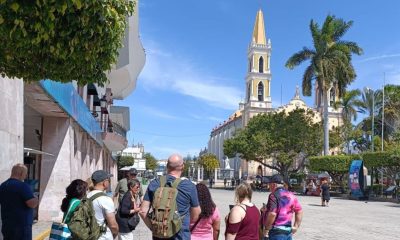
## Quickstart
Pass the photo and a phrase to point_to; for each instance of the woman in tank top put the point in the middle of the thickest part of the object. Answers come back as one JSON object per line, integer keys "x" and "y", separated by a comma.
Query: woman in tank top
{"x": 243, "y": 219}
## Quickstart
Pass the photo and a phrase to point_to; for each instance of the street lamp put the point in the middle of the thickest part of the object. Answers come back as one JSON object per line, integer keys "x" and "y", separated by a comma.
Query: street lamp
{"x": 373, "y": 117}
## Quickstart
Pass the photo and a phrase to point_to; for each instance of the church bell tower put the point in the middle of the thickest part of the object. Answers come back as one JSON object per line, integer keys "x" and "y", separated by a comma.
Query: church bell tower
{"x": 258, "y": 78}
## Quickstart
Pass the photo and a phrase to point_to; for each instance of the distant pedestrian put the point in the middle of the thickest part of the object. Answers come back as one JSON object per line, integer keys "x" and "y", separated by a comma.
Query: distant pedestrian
{"x": 122, "y": 186}
{"x": 128, "y": 211}
{"x": 208, "y": 225}
{"x": 279, "y": 211}
{"x": 76, "y": 190}
{"x": 186, "y": 200}
{"x": 233, "y": 182}
{"x": 225, "y": 182}
{"x": 211, "y": 182}
{"x": 243, "y": 219}
{"x": 17, "y": 203}
{"x": 103, "y": 205}
{"x": 325, "y": 195}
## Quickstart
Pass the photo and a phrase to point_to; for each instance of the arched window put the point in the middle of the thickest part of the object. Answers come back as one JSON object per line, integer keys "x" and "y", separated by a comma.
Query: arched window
{"x": 332, "y": 97}
{"x": 261, "y": 65}
{"x": 248, "y": 92}
{"x": 260, "y": 91}
{"x": 250, "y": 64}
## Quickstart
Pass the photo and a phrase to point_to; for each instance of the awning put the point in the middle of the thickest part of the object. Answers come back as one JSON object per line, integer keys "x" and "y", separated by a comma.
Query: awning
{"x": 30, "y": 150}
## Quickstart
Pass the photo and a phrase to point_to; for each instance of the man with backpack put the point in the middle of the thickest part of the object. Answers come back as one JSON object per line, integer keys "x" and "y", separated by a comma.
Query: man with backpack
{"x": 278, "y": 214}
{"x": 170, "y": 204}
{"x": 103, "y": 205}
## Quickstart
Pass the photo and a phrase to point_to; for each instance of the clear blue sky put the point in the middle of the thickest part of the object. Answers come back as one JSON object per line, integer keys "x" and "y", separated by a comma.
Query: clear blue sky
{"x": 196, "y": 60}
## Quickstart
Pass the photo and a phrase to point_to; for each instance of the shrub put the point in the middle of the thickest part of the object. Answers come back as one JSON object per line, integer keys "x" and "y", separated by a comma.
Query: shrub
{"x": 61, "y": 40}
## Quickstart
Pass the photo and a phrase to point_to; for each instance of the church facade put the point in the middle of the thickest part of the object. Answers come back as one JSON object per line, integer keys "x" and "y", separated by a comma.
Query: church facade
{"x": 258, "y": 100}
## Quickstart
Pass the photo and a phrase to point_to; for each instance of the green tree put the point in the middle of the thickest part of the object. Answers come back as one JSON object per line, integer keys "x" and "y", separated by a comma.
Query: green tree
{"x": 124, "y": 161}
{"x": 349, "y": 104}
{"x": 287, "y": 138}
{"x": 369, "y": 104}
{"x": 61, "y": 40}
{"x": 151, "y": 161}
{"x": 330, "y": 63}
{"x": 392, "y": 112}
{"x": 209, "y": 162}
{"x": 186, "y": 160}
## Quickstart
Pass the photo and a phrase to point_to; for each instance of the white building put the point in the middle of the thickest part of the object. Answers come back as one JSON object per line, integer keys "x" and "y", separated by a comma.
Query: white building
{"x": 137, "y": 152}
{"x": 63, "y": 131}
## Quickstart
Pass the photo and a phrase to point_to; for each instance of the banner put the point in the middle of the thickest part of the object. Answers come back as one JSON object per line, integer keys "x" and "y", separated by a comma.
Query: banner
{"x": 356, "y": 178}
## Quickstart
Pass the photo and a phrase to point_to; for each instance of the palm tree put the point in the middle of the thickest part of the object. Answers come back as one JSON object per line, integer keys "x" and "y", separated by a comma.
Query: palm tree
{"x": 330, "y": 63}
{"x": 392, "y": 110}
{"x": 369, "y": 104}
{"x": 348, "y": 103}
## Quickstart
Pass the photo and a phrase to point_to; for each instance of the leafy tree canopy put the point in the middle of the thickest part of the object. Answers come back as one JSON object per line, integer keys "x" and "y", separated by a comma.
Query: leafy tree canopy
{"x": 151, "y": 161}
{"x": 285, "y": 137}
{"x": 124, "y": 161}
{"x": 61, "y": 40}
{"x": 209, "y": 162}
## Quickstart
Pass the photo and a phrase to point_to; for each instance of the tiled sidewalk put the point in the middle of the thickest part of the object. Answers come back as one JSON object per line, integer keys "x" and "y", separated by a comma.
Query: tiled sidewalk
{"x": 40, "y": 231}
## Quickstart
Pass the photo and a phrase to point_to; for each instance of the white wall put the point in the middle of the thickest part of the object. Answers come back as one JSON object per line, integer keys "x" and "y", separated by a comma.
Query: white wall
{"x": 11, "y": 126}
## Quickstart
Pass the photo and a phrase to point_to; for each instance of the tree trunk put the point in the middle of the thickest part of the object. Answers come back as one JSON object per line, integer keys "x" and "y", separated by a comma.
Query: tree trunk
{"x": 326, "y": 123}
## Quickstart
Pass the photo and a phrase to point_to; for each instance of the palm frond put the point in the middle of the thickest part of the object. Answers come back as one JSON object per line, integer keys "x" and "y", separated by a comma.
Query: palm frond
{"x": 299, "y": 57}
{"x": 352, "y": 46}
{"x": 307, "y": 80}
{"x": 341, "y": 27}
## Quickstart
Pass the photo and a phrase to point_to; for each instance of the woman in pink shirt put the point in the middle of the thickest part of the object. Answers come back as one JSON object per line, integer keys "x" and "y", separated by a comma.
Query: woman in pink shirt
{"x": 207, "y": 226}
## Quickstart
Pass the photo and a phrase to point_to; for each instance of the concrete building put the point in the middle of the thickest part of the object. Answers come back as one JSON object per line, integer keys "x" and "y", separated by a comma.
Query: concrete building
{"x": 137, "y": 152}
{"x": 64, "y": 131}
{"x": 258, "y": 100}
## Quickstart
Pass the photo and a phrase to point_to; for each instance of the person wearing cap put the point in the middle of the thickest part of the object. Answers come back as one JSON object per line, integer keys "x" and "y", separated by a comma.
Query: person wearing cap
{"x": 122, "y": 186}
{"x": 103, "y": 205}
{"x": 277, "y": 223}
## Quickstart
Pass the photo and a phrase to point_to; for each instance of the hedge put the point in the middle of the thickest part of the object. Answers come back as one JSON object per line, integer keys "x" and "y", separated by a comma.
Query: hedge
{"x": 335, "y": 163}
{"x": 341, "y": 163}
{"x": 381, "y": 159}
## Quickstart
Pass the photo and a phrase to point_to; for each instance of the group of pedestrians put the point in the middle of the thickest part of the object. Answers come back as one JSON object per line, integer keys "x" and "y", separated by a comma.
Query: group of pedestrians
{"x": 201, "y": 218}
{"x": 273, "y": 221}
{"x": 172, "y": 208}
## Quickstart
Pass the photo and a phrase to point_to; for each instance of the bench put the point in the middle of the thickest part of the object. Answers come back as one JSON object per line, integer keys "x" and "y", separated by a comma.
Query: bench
{"x": 390, "y": 191}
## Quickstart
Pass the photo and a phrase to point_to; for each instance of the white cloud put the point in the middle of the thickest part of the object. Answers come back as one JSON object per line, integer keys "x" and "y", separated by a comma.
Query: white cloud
{"x": 158, "y": 113}
{"x": 164, "y": 152}
{"x": 210, "y": 118}
{"x": 383, "y": 56}
{"x": 165, "y": 70}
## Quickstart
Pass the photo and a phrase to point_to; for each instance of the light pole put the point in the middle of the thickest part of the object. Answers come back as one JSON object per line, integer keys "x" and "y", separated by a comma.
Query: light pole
{"x": 373, "y": 117}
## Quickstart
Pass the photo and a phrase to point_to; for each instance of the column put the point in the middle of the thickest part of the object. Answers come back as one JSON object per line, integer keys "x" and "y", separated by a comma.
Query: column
{"x": 55, "y": 172}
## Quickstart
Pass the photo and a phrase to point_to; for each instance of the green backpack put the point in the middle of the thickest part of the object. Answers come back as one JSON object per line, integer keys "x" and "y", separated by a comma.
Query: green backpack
{"x": 83, "y": 223}
{"x": 164, "y": 217}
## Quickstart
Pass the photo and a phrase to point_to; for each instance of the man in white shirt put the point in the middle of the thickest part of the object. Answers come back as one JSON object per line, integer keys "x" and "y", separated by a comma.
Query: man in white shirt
{"x": 104, "y": 205}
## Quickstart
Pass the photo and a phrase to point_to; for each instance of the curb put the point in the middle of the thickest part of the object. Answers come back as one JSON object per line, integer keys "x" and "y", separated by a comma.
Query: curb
{"x": 43, "y": 235}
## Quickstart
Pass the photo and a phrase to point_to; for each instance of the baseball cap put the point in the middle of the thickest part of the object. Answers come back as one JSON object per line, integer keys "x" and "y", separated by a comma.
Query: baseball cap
{"x": 133, "y": 171}
{"x": 276, "y": 179}
{"x": 100, "y": 175}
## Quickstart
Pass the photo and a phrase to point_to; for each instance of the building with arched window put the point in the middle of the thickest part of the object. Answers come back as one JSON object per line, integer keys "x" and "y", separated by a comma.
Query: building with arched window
{"x": 258, "y": 100}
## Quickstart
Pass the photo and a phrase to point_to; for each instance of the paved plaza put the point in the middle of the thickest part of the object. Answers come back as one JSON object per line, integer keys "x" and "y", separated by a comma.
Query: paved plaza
{"x": 343, "y": 219}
